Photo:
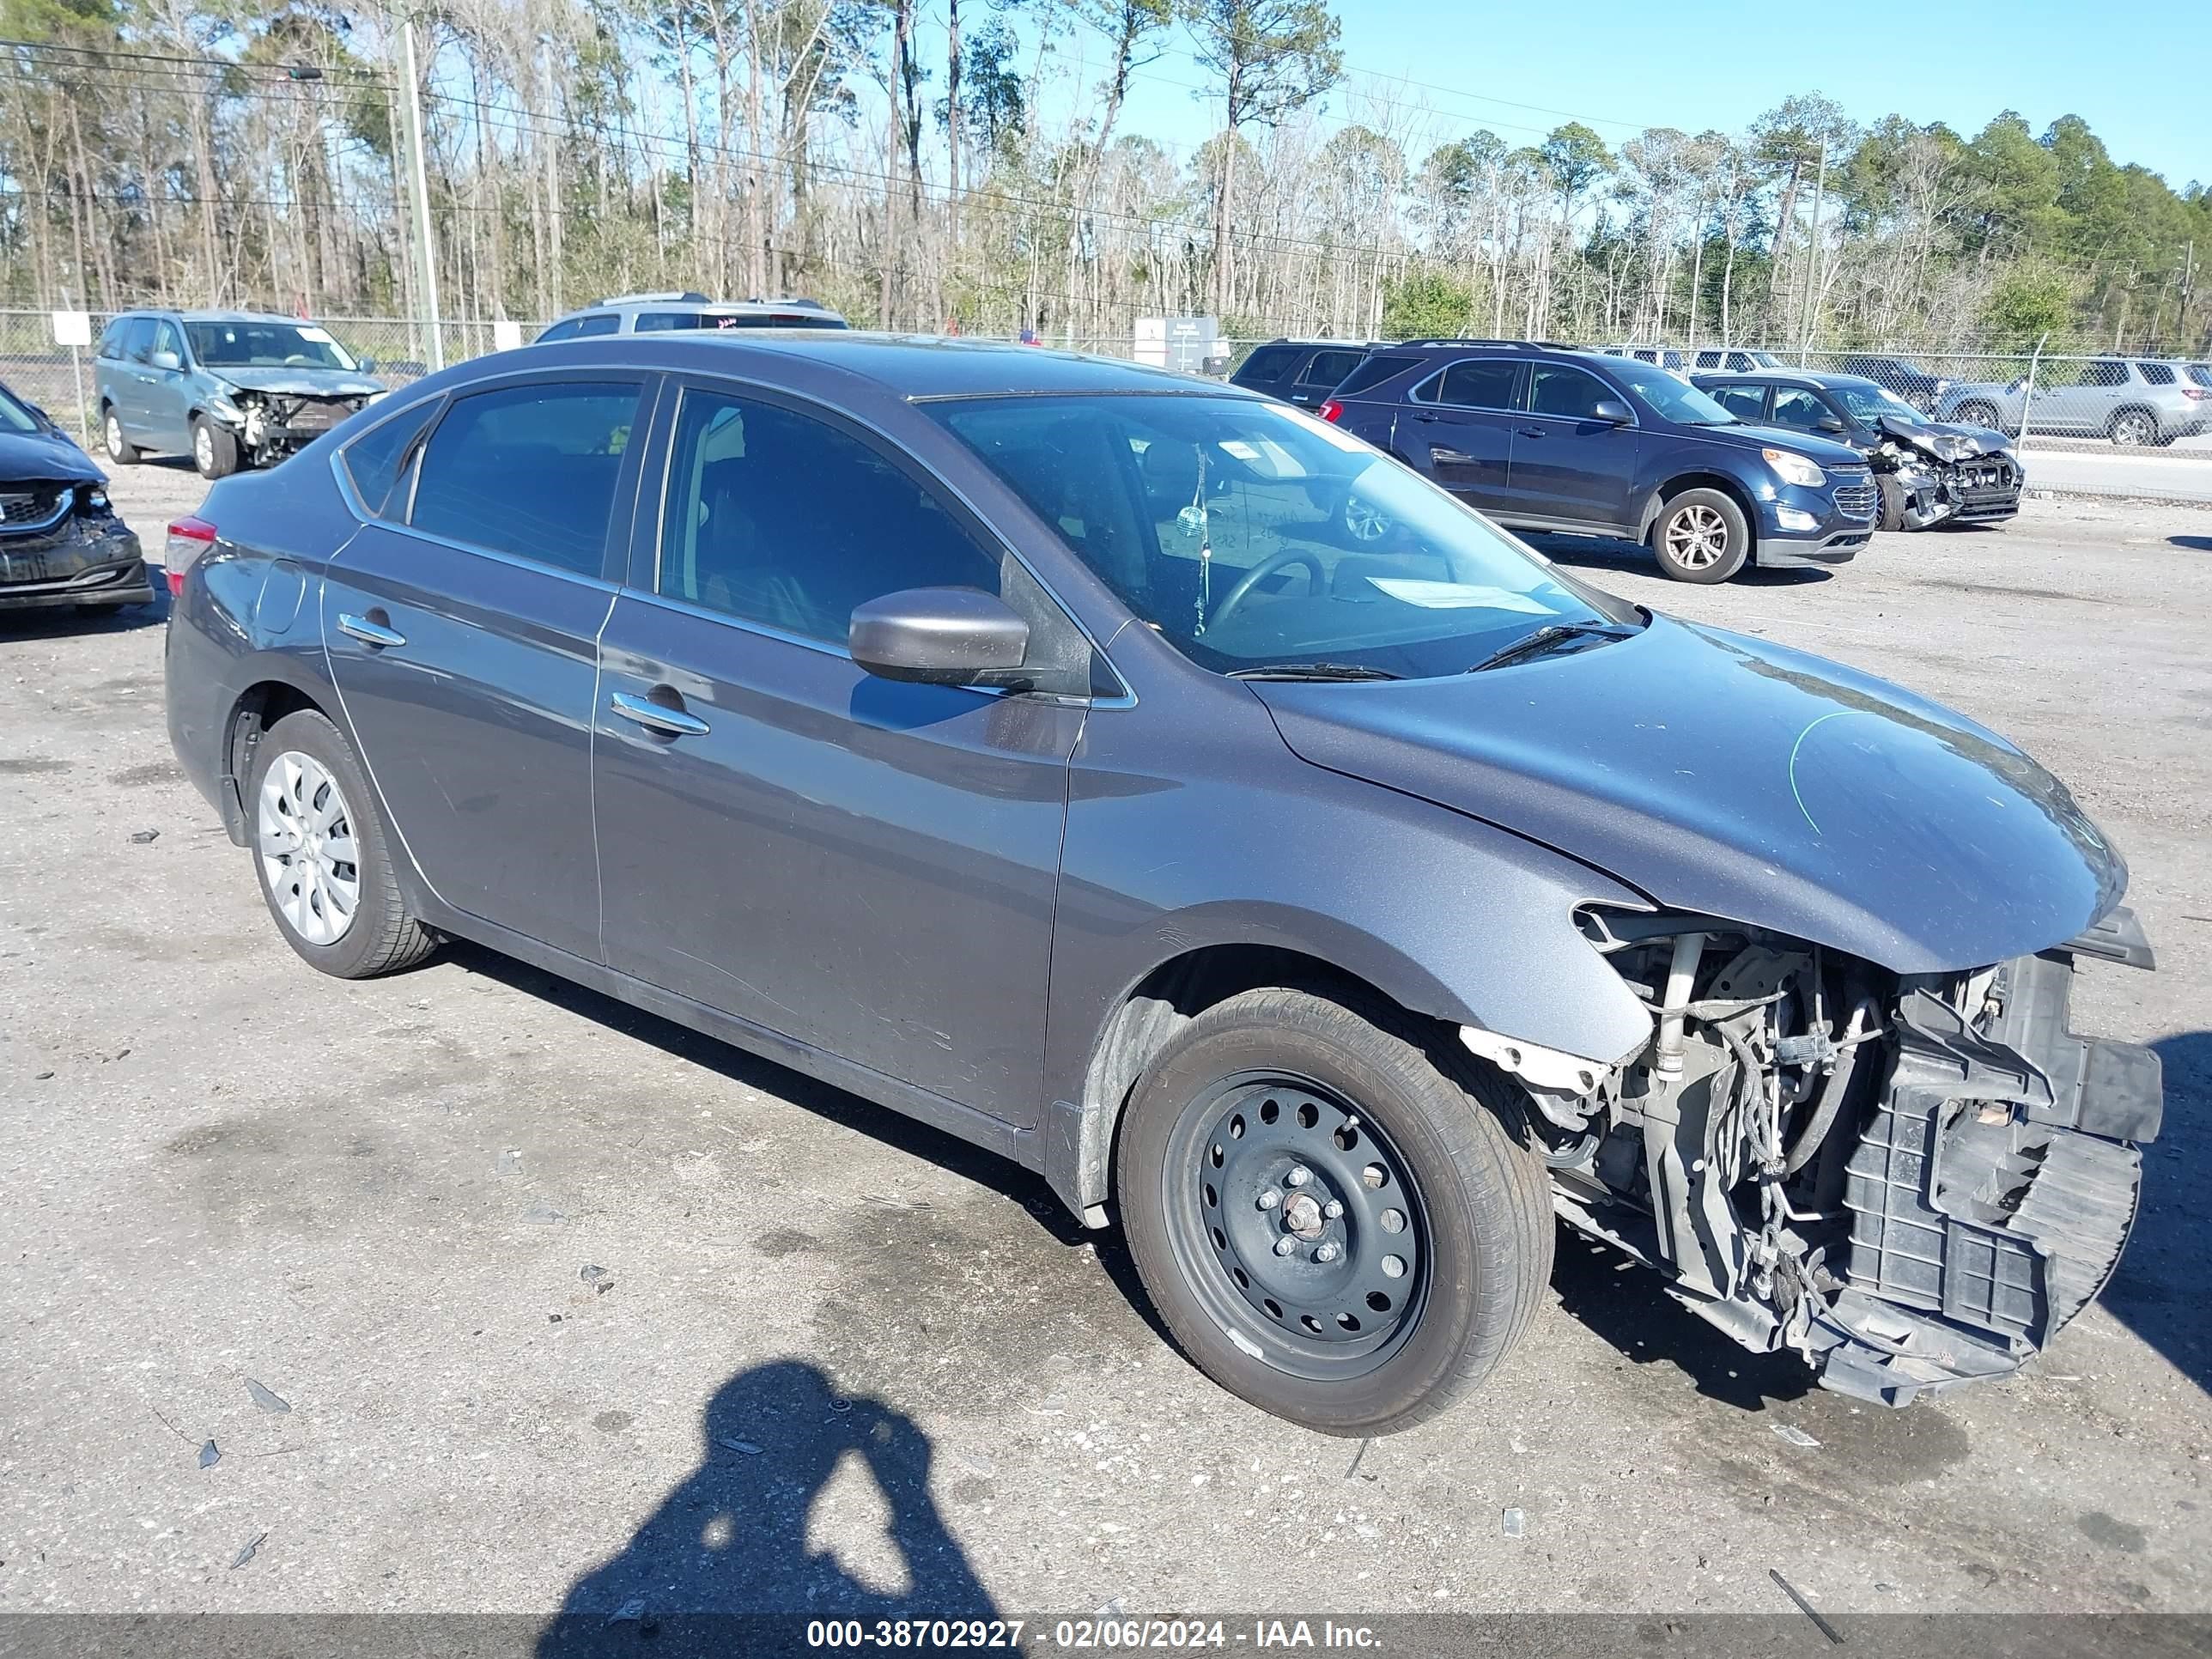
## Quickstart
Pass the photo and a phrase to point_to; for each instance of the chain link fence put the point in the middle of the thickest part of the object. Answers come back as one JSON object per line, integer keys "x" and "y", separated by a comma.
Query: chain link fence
{"x": 2108, "y": 424}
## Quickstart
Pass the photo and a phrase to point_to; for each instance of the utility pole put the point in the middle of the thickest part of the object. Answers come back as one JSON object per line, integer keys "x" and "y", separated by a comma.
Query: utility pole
{"x": 418, "y": 190}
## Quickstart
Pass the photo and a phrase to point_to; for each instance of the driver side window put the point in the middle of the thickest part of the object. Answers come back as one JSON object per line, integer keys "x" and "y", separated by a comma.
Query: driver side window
{"x": 1799, "y": 409}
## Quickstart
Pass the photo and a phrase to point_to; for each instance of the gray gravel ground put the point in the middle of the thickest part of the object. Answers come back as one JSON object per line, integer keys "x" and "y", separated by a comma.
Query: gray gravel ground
{"x": 829, "y": 1358}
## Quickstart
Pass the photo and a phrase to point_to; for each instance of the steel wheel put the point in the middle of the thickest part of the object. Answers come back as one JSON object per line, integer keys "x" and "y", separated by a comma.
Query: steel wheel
{"x": 1697, "y": 538}
{"x": 2134, "y": 426}
{"x": 305, "y": 836}
{"x": 1298, "y": 1224}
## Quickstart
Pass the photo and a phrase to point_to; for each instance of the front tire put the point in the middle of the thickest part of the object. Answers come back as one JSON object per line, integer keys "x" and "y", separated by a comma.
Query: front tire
{"x": 1701, "y": 536}
{"x": 214, "y": 448}
{"x": 1892, "y": 495}
{"x": 1257, "y": 1119}
{"x": 2133, "y": 429}
{"x": 120, "y": 449}
{"x": 323, "y": 858}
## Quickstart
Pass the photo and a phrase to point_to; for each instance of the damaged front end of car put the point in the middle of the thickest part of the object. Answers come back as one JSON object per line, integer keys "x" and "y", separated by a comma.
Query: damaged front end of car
{"x": 1912, "y": 1180}
{"x": 1947, "y": 474}
{"x": 61, "y": 544}
{"x": 269, "y": 425}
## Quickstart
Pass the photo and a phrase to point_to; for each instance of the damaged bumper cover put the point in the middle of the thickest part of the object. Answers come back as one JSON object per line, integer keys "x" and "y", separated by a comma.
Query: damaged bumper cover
{"x": 73, "y": 556}
{"x": 1991, "y": 1193}
{"x": 1951, "y": 474}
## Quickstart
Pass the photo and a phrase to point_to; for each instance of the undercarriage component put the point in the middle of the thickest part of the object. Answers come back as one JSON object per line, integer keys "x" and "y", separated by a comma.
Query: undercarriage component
{"x": 1913, "y": 1183}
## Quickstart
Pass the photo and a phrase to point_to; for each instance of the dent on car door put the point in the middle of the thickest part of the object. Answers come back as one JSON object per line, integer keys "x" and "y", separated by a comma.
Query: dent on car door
{"x": 863, "y": 865}
{"x": 463, "y": 631}
{"x": 1458, "y": 426}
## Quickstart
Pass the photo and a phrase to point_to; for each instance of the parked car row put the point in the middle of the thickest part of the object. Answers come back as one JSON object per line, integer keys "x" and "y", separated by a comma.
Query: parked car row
{"x": 1488, "y": 897}
{"x": 1547, "y": 438}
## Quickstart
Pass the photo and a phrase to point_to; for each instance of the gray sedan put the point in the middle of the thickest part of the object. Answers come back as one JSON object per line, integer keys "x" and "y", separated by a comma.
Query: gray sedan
{"x": 1020, "y": 741}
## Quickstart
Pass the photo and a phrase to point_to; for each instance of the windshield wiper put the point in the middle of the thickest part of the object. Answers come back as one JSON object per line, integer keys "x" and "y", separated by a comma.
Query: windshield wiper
{"x": 1540, "y": 643}
{"x": 1312, "y": 670}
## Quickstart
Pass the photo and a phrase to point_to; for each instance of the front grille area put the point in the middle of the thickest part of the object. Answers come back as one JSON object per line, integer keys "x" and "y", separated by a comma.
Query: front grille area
{"x": 1856, "y": 500}
{"x": 315, "y": 414}
{"x": 25, "y": 507}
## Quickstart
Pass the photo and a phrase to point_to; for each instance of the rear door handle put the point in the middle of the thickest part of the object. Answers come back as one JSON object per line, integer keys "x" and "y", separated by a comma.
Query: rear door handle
{"x": 369, "y": 631}
{"x": 658, "y": 717}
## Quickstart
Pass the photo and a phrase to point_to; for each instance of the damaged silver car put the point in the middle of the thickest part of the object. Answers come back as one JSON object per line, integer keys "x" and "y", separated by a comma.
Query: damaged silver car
{"x": 1928, "y": 472}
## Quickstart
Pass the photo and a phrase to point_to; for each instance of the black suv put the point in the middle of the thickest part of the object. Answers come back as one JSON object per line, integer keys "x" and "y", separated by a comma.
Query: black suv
{"x": 1303, "y": 372}
{"x": 1543, "y": 437}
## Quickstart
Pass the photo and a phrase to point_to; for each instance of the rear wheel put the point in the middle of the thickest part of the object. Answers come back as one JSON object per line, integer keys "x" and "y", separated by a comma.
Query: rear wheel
{"x": 321, "y": 853}
{"x": 1701, "y": 536}
{"x": 214, "y": 448}
{"x": 1332, "y": 1226}
{"x": 120, "y": 449}
{"x": 2133, "y": 427}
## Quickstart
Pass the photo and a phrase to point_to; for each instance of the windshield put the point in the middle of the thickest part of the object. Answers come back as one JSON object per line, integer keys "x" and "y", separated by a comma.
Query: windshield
{"x": 1251, "y": 535}
{"x": 1870, "y": 403}
{"x": 265, "y": 345}
{"x": 1666, "y": 397}
{"x": 14, "y": 417}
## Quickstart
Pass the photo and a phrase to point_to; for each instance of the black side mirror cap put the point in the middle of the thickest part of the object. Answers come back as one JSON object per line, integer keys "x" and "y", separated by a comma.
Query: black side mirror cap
{"x": 938, "y": 637}
{"x": 1612, "y": 409}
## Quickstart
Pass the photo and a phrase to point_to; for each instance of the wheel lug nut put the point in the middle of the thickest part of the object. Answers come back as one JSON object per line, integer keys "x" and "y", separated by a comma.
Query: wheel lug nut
{"x": 1298, "y": 1178}
{"x": 1333, "y": 1209}
{"x": 1285, "y": 1244}
{"x": 1327, "y": 1252}
{"x": 1269, "y": 1199}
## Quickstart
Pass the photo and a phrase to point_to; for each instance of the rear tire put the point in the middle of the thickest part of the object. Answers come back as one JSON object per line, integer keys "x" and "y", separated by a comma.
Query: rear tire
{"x": 322, "y": 856}
{"x": 120, "y": 449}
{"x": 1982, "y": 415}
{"x": 1701, "y": 536}
{"x": 1401, "y": 1303}
{"x": 214, "y": 448}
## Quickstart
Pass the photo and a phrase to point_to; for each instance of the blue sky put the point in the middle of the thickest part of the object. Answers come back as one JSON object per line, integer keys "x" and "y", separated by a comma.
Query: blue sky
{"x": 2141, "y": 75}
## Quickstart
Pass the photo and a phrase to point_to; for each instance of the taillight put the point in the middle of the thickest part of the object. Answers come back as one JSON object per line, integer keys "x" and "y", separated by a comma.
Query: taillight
{"x": 188, "y": 540}
{"x": 2194, "y": 393}
{"x": 1330, "y": 409}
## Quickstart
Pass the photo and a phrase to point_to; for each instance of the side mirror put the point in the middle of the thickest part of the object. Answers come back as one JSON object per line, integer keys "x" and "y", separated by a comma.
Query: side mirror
{"x": 1612, "y": 409}
{"x": 167, "y": 361}
{"x": 938, "y": 635}
{"x": 1831, "y": 423}
{"x": 366, "y": 364}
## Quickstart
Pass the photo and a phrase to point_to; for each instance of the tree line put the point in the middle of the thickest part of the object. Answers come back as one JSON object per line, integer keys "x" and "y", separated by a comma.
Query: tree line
{"x": 972, "y": 167}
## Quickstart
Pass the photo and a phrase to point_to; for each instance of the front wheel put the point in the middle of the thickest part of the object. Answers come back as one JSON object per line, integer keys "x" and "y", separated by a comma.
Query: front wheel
{"x": 1701, "y": 536}
{"x": 321, "y": 852}
{"x": 1332, "y": 1224}
{"x": 1892, "y": 495}
{"x": 1981, "y": 414}
{"x": 214, "y": 448}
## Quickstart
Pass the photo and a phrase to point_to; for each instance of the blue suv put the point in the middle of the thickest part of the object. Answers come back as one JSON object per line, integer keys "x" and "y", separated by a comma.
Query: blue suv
{"x": 1541, "y": 437}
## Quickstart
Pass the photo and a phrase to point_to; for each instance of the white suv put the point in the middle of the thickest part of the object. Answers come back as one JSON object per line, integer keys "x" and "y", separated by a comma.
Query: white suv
{"x": 657, "y": 314}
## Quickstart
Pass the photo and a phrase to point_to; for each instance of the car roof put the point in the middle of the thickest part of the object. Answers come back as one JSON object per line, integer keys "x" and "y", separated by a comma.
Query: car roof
{"x": 1819, "y": 377}
{"x": 906, "y": 366}
{"x": 219, "y": 316}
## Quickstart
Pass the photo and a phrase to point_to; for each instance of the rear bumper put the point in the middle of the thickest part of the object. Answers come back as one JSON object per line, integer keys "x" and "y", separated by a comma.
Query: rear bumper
{"x": 1992, "y": 1192}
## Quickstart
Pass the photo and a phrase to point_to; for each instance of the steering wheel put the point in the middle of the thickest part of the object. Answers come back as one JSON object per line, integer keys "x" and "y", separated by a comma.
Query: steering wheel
{"x": 1316, "y": 574}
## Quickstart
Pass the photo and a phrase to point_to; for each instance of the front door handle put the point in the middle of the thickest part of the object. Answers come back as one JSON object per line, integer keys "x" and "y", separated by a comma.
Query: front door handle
{"x": 658, "y": 717}
{"x": 377, "y": 635}
{"x": 1531, "y": 432}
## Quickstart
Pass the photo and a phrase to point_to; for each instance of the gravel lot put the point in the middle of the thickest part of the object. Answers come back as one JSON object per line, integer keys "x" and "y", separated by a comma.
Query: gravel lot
{"x": 568, "y": 1306}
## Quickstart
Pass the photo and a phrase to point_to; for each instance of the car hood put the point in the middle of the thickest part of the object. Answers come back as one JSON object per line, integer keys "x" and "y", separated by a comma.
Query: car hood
{"x": 1822, "y": 451}
{"x": 1730, "y": 776}
{"x": 1945, "y": 441}
{"x": 298, "y": 382}
{"x": 39, "y": 456}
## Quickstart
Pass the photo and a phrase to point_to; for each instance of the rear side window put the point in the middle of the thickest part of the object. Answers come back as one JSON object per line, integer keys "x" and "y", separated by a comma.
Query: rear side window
{"x": 1266, "y": 366}
{"x": 379, "y": 458}
{"x": 529, "y": 470}
{"x": 659, "y": 322}
{"x": 1373, "y": 371}
{"x": 111, "y": 341}
{"x": 778, "y": 519}
{"x": 2106, "y": 374}
{"x": 581, "y": 328}
{"x": 1328, "y": 367}
{"x": 2201, "y": 372}
{"x": 2155, "y": 373}
{"x": 1484, "y": 383}
{"x": 1746, "y": 403}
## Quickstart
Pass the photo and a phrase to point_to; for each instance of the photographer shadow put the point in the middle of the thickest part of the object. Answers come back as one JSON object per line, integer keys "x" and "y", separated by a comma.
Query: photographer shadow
{"x": 723, "y": 1564}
